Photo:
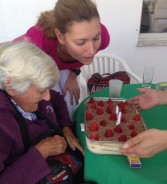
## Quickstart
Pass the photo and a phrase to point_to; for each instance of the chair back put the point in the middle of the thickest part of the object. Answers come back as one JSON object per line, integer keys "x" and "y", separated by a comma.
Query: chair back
{"x": 108, "y": 63}
{"x": 105, "y": 63}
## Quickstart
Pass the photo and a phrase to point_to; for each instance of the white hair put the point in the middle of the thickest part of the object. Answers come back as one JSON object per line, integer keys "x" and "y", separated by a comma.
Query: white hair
{"x": 23, "y": 64}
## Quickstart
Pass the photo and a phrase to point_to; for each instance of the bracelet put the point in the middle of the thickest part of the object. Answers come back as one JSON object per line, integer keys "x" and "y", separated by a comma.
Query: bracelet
{"x": 76, "y": 71}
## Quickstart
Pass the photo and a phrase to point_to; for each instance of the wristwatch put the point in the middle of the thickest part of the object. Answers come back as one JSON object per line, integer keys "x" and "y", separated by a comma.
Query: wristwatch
{"x": 76, "y": 71}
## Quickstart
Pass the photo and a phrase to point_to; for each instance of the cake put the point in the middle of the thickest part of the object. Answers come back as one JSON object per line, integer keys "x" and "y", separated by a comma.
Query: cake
{"x": 101, "y": 115}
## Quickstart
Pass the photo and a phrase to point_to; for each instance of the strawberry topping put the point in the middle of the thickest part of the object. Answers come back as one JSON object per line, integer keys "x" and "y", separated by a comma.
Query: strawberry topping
{"x": 89, "y": 116}
{"x": 103, "y": 123}
{"x": 113, "y": 116}
{"x": 122, "y": 138}
{"x": 118, "y": 129}
{"x": 100, "y": 103}
{"x": 109, "y": 133}
{"x": 134, "y": 133}
{"x": 94, "y": 126}
{"x": 91, "y": 100}
{"x": 99, "y": 111}
{"x": 95, "y": 136}
{"x": 121, "y": 104}
{"x": 137, "y": 117}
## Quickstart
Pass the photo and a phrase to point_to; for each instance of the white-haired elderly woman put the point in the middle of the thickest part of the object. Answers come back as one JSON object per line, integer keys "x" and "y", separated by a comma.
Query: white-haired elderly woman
{"x": 26, "y": 76}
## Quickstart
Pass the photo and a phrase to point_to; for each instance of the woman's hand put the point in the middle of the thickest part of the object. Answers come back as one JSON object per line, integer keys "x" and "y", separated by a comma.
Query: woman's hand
{"x": 72, "y": 140}
{"x": 146, "y": 144}
{"x": 148, "y": 98}
{"x": 72, "y": 86}
{"x": 51, "y": 146}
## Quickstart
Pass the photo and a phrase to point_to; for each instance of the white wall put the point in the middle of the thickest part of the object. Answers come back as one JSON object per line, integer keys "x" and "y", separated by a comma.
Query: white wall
{"x": 18, "y": 15}
{"x": 122, "y": 18}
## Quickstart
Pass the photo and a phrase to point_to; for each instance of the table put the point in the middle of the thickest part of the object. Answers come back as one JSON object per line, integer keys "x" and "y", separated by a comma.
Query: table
{"x": 114, "y": 169}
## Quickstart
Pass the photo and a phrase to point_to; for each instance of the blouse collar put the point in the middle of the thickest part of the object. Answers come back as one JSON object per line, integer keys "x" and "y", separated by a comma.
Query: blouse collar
{"x": 27, "y": 115}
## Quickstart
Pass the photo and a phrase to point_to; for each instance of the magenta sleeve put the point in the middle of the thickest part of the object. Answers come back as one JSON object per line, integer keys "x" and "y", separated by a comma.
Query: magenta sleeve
{"x": 33, "y": 35}
{"x": 105, "y": 38}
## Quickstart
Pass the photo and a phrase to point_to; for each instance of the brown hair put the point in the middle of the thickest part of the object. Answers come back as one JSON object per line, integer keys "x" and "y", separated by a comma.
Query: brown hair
{"x": 65, "y": 13}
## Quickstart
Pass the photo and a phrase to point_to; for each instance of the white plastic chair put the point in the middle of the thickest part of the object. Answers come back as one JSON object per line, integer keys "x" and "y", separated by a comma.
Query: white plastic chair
{"x": 105, "y": 63}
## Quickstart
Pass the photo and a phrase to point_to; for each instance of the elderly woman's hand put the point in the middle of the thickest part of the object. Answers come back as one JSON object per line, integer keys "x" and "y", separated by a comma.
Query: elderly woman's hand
{"x": 72, "y": 140}
{"x": 146, "y": 144}
{"x": 51, "y": 146}
{"x": 72, "y": 86}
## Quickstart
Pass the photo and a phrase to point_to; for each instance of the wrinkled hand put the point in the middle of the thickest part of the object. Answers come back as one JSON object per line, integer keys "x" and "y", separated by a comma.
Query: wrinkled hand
{"x": 51, "y": 146}
{"x": 146, "y": 144}
{"x": 148, "y": 98}
{"x": 72, "y": 86}
{"x": 72, "y": 140}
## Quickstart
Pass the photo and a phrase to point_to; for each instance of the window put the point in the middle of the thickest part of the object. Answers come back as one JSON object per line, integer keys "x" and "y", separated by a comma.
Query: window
{"x": 153, "y": 28}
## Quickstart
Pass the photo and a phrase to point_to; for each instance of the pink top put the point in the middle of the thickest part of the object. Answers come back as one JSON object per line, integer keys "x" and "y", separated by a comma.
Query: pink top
{"x": 49, "y": 46}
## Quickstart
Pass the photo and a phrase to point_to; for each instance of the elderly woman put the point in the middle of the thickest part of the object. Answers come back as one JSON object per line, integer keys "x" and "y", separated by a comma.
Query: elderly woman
{"x": 26, "y": 76}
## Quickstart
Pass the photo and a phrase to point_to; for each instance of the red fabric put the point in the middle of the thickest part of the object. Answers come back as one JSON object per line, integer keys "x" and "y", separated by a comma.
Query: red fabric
{"x": 65, "y": 158}
{"x": 59, "y": 173}
{"x": 55, "y": 179}
{"x": 98, "y": 82}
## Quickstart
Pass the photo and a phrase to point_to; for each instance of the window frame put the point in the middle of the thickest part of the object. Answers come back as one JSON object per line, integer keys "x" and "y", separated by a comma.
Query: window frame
{"x": 152, "y": 39}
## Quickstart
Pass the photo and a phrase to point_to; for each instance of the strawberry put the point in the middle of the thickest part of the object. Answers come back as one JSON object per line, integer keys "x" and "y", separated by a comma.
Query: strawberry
{"x": 103, "y": 123}
{"x": 122, "y": 138}
{"x": 100, "y": 103}
{"x": 131, "y": 126}
{"x": 109, "y": 101}
{"x": 99, "y": 111}
{"x": 109, "y": 108}
{"x": 134, "y": 133}
{"x": 94, "y": 136}
{"x": 91, "y": 100}
{"x": 127, "y": 103}
{"x": 137, "y": 117}
{"x": 89, "y": 116}
{"x": 118, "y": 129}
{"x": 123, "y": 119}
{"x": 113, "y": 116}
{"x": 121, "y": 104}
{"x": 124, "y": 111}
{"x": 93, "y": 106}
{"x": 94, "y": 126}
{"x": 109, "y": 133}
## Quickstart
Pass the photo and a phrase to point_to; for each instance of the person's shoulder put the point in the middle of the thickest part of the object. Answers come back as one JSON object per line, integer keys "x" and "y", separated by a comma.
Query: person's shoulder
{"x": 103, "y": 27}
{"x": 35, "y": 30}
{"x": 5, "y": 104}
{"x": 6, "y": 108}
{"x": 34, "y": 35}
{"x": 54, "y": 93}
{"x": 105, "y": 37}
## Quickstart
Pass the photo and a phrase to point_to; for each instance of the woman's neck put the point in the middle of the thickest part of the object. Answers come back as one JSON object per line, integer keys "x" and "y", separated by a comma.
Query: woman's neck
{"x": 64, "y": 55}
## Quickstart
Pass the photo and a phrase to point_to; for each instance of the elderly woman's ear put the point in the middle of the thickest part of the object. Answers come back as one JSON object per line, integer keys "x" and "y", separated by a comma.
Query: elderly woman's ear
{"x": 10, "y": 91}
